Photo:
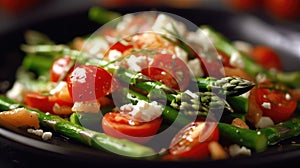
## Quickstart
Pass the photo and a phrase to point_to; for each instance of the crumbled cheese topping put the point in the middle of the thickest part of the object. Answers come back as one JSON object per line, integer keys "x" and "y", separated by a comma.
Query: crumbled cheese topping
{"x": 264, "y": 121}
{"x": 266, "y": 105}
{"x": 236, "y": 150}
{"x": 79, "y": 75}
{"x": 243, "y": 46}
{"x": 180, "y": 53}
{"x": 114, "y": 55}
{"x": 136, "y": 62}
{"x": 142, "y": 111}
{"x": 46, "y": 136}
{"x": 39, "y": 132}
{"x": 92, "y": 106}
{"x": 58, "y": 87}
{"x": 195, "y": 67}
{"x": 166, "y": 24}
{"x": 16, "y": 92}
{"x": 288, "y": 96}
{"x": 236, "y": 60}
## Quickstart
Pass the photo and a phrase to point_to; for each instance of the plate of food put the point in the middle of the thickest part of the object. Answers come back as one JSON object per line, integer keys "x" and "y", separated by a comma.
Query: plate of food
{"x": 163, "y": 87}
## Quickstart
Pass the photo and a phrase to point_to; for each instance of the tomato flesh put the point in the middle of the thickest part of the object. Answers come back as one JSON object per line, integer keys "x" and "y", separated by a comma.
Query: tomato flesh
{"x": 88, "y": 82}
{"x": 191, "y": 142}
{"x": 60, "y": 68}
{"x": 277, "y": 104}
{"x": 169, "y": 70}
{"x": 266, "y": 57}
{"x": 119, "y": 126}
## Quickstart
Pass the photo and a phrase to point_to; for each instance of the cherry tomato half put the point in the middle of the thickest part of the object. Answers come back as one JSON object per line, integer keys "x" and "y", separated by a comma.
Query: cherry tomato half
{"x": 191, "y": 142}
{"x": 89, "y": 82}
{"x": 266, "y": 57}
{"x": 169, "y": 70}
{"x": 60, "y": 68}
{"x": 279, "y": 105}
{"x": 119, "y": 126}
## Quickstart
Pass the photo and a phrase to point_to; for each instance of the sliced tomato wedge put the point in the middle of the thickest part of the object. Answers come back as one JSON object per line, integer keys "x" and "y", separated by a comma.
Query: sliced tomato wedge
{"x": 191, "y": 142}
{"x": 89, "y": 82}
{"x": 119, "y": 126}
{"x": 60, "y": 68}
{"x": 279, "y": 105}
{"x": 169, "y": 70}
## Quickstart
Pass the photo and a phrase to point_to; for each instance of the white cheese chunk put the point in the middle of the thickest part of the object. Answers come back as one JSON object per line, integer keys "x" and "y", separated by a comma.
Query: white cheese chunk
{"x": 264, "y": 121}
{"x": 236, "y": 60}
{"x": 16, "y": 92}
{"x": 195, "y": 67}
{"x": 142, "y": 111}
{"x": 46, "y": 136}
{"x": 236, "y": 150}
{"x": 165, "y": 24}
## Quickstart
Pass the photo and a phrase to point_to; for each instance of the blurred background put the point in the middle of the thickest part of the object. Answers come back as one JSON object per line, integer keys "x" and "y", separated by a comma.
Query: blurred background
{"x": 14, "y": 12}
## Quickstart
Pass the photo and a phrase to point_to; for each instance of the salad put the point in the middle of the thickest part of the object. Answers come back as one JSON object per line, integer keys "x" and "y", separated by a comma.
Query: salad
{"x": 152, "y": 85}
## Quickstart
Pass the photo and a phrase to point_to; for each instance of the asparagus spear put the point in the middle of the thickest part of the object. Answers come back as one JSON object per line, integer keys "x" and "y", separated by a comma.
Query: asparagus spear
{"x": 252, "y": 139}
{"x": 291, "y": 79}
{"x": 282, "y": 131}
{"x": 229, "y": 86}
{"x": 91, "y": 138}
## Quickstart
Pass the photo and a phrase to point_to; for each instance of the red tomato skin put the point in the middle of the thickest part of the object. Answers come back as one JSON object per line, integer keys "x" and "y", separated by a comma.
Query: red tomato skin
{"x": 39, "y": 101}
{"x": 120, "y": 46}
{"x": 171, "y": 71}
{"x": 60, "y": 67}
{"x": 89, "y": 82}
{"x": 283, "y": 9}
{"x": 196, "y": 149}
{"x": 281, "y": 109}
{"x": 45, "y": 103}
{"x": 116, "y": 125}
{"x": 266, "y": 57}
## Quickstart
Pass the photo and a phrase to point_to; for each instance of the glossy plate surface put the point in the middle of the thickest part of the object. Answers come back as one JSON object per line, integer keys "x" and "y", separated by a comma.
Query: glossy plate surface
{"x": 23, "y": 150}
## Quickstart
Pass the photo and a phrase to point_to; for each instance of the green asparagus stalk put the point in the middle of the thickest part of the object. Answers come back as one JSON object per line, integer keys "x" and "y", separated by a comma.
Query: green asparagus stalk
{"x": 282, "y": 131}
{"x": 91, "y": 138}
{"x": 291, "y": 79}
{"x": 252, "y": 139}
{"x": 229, "y": 86}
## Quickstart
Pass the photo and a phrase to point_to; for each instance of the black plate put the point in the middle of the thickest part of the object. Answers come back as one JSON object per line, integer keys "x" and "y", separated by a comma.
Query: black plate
{"x": 18, "y": 149}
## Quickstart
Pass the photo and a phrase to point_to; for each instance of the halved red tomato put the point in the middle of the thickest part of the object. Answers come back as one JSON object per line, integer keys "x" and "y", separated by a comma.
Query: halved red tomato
{"x": 60, "y": 68}
{"x": 169, "y": 70}
{"x": 191, "y": 142}
{"x": 279, "y": 105}
{"x": 266, "y": 57}
{"x": 89, "y": 82}
{"x": 119, "y": 126}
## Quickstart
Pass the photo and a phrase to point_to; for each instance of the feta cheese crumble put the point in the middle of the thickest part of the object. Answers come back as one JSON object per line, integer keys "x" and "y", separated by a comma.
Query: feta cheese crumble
{"x": 39, "y": 132}
{"x": 264, "y": 121}
{"x": 236, "y": 60}
{"x": 266, "y": 105}
{"x": 236, "y": 150}
{"x": 142, "y": 111}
